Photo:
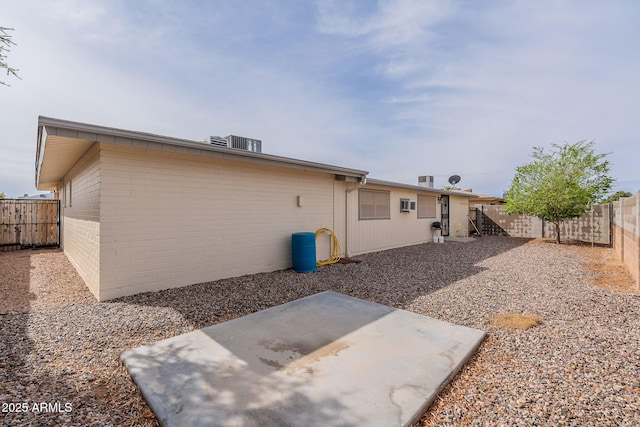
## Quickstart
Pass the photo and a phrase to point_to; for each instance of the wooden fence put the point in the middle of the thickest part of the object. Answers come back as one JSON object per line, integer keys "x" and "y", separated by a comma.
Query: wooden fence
{"x": 29, "y": 223}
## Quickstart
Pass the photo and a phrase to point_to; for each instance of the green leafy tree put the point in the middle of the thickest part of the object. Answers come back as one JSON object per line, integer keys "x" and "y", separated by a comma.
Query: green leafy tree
{"x": 616, "y": 196}
{"x": 451, "y": 187}
{"x": 561, "y": 184}
{"x": 3, "y": 196}
{"x": 5, "y": 45}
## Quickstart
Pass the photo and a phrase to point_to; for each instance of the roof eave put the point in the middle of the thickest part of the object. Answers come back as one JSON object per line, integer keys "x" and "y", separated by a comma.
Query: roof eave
{"x": 103, "y": 134}
{"x": 418, "y": 188}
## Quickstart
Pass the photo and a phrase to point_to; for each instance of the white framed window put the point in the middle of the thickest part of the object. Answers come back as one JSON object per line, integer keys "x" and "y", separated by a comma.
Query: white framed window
{"x": 427, "y": 206}
{"x": 374, "y": 204}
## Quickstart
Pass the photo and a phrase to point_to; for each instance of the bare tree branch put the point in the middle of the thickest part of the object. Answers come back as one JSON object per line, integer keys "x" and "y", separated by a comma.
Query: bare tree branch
{"x": 5, "y": 47}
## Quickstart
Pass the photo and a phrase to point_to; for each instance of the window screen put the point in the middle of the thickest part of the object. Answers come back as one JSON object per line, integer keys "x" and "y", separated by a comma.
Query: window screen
{"x": 426, "y": 206}
{"x": 374, "y": 204}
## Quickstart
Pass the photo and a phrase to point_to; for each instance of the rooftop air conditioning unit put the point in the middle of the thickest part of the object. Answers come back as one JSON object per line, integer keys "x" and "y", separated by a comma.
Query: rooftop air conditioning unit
{"x": 243, "y": 143}
{"x": 216, "y": 140}
{"x": 425, "y": 181}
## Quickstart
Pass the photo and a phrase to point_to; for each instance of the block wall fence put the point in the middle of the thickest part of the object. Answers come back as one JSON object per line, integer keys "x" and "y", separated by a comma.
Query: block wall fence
{"x": 616, "y": 224}
{"x": 626, "y": 234}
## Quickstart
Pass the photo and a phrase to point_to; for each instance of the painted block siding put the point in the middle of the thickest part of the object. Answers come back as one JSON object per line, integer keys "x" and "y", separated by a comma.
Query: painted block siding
{"x": 143, "y": 215}
{"x": 626, "y": 235}
{"x": 363, "y": 236}
{"x": 137, "y": 220}
{"x": 169, "y": 219}
{"x": 458, "y": 216}
{"x": 80, "y": 217}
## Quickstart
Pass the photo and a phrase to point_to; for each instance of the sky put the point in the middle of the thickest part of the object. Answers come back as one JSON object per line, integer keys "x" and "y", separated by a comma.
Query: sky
{"x": 398, "y": 88}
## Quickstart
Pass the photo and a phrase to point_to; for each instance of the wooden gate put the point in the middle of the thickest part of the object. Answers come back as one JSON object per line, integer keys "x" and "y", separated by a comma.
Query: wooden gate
{"x": 29, "y": 223}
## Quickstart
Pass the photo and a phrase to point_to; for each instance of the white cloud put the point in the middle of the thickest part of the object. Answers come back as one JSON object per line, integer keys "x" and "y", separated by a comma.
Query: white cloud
{"x": 401, "y": 88}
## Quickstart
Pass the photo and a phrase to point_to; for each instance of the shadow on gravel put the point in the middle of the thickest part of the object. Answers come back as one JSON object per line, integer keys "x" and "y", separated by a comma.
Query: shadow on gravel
{"x": 15, "y": 270}
{"x": 38, "y": 385}
{"x": 15, "y": 343}
{"x": 393, "y": 277}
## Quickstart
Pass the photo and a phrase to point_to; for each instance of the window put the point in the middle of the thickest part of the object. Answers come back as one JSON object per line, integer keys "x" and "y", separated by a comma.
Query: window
{"x": 404, "y": 205}
{"x": 374, "y": 204}
{"x": 426, "y": 206}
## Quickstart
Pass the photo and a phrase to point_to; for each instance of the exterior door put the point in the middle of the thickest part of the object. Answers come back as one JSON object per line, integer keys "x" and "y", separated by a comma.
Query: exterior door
{"x": 444, "y": 214}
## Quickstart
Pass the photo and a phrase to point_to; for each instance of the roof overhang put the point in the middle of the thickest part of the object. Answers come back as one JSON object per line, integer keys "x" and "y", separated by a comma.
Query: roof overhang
{"x": 373, "y": 181}
{"x": 62, "y": 143}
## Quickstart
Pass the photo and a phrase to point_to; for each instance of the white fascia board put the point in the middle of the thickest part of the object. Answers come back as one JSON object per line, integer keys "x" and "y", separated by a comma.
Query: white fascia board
{"x": 133, "y": 138}
{"x": 380, "y": 182}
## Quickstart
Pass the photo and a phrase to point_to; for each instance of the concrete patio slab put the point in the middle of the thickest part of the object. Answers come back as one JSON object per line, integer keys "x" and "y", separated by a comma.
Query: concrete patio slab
{"x": 324, "y": 360}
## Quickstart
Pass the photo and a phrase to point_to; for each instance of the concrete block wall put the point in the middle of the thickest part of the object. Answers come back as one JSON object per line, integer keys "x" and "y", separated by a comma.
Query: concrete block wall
{"x": 593, "y": 226}
{"x": 80, "y": 217}
{"x": 590, "y": 227}
{"x": 171, "y": 219}
{"x": 626, "y": 234}
{"x": 402, "y": 229}
{"x": 513, "y": 225}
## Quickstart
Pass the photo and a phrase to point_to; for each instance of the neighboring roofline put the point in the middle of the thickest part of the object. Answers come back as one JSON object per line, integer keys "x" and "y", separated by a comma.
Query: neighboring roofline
{"x": 85, "y": 131}
{"x": 418, "y": 187}
{"x": 485, "y": 196}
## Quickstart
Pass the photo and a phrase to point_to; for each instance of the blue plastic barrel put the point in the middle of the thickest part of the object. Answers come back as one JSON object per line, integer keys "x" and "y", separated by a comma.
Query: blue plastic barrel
{"x": 303, "y": 252}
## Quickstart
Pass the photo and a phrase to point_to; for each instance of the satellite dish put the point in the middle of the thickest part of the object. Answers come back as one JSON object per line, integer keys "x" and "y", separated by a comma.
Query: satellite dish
{"x": 454, "y": 179}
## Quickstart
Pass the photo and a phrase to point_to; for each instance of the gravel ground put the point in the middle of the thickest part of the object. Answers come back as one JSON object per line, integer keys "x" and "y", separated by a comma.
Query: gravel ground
{"x": 580, "y": 367}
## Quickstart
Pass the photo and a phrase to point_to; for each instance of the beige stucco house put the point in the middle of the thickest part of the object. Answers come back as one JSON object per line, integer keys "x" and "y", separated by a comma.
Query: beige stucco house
{"x": 143, "y": 212}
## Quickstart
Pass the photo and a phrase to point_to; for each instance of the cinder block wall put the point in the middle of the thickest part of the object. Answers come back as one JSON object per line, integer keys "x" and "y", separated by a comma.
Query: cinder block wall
{"x": 171, "y": 219}
{"x": 626, "y": 234}
{"x": 514, "y": 225}
{"x": 401, "y": 229}
{"x": 593, "y": 226}
{"x": 79, "y": 194}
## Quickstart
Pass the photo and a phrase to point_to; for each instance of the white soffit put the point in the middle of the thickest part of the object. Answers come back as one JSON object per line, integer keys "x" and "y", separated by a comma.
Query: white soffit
{"x": 64, "y": 142}
{"x": 59, "y": 156}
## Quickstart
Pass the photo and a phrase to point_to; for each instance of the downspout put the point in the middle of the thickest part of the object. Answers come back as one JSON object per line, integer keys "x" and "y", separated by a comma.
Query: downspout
{"x": 363, "y": 181}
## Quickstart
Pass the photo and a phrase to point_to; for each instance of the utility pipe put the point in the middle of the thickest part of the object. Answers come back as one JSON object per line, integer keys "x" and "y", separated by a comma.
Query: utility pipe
{"x": 346, "y": 215}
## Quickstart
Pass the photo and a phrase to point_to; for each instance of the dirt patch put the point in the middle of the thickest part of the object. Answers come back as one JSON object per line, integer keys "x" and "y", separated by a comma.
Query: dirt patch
{"x": 39, "y": 278}
{"x": 349, "y": 261}
{"x": 601, "y": 261}
{"x": 520, "y": 322}
{"x": 609, "y": 272}
{"x": 565, "y": 242}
